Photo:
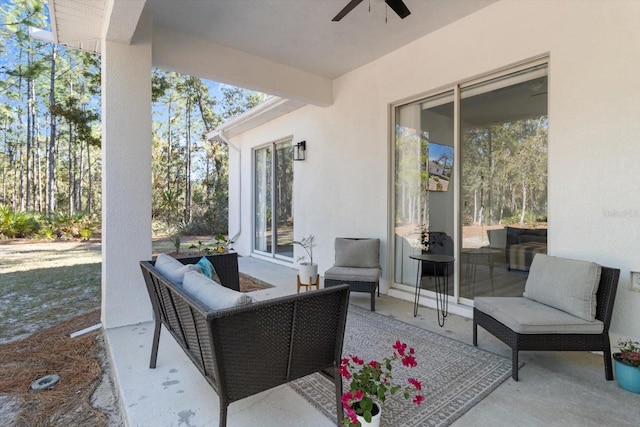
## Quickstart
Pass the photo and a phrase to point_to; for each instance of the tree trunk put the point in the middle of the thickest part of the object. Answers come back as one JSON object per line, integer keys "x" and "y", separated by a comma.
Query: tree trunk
{"x": 169, "y": 147}
{"x": 524, "y": 203}
{"x": 89, "y": 181}
{"x": 30, "y": 103}
{"x": 51, "y": 179}
{"x": 80, "y": 177}
{"x": 70, "y": 170}
{"x": 187, "y": 190}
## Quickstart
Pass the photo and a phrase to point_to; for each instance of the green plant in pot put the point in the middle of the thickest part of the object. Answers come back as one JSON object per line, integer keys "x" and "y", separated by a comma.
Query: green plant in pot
{"x": 627, "y": 365}
{"x": 372, "y": 383}
{"x": 308, "y": 271}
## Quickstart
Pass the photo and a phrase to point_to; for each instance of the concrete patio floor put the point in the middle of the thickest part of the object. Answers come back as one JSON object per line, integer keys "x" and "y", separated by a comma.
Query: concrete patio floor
{"x": 555, "y": 388}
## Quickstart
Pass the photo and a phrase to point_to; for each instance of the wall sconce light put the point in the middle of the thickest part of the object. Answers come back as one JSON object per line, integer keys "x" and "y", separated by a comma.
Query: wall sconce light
{"x": 299, "y": 150}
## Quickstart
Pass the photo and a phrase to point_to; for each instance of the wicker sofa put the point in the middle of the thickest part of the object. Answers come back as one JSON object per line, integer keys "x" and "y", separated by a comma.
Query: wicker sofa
{"x": 567, "y": 306}
{"x": 254, "y": 347}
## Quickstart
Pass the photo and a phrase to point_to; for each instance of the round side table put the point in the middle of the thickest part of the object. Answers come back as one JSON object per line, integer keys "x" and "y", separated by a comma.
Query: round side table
{"x": 441, "y": 282}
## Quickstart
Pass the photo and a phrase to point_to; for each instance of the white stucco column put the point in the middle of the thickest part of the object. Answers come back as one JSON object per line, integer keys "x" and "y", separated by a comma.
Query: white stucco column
{"x": 126, "y": 177}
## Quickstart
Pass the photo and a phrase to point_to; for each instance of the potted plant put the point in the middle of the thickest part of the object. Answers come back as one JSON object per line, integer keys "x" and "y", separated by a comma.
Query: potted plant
{"x": 372, "y": 383}
{"x": 220, "y": 245}
{"x": 627, "y": 365}
{"x": 307, "y": 270}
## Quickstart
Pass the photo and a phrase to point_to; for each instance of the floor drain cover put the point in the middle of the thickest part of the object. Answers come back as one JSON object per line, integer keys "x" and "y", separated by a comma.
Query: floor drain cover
{"x": 45, "y": 383}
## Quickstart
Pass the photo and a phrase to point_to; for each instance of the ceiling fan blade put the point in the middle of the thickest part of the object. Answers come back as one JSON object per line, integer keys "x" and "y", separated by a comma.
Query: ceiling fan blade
{"x": 398, "y": 7}
{"x": 348, "y": 8}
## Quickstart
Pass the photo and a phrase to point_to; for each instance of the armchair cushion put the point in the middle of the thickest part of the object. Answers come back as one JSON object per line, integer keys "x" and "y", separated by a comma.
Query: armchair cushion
{"x": 212, "y": 294}
{"x": 566, "y": 284}
{"x": 359, "y": 253}
{"x": 349, "y": 274}
{"x": 526, "y": 316}
{"x": 173, "y": 269}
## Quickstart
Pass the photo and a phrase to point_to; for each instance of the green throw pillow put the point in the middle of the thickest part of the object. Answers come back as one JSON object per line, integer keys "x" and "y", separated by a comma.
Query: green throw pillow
{"x": 208, "y": 269}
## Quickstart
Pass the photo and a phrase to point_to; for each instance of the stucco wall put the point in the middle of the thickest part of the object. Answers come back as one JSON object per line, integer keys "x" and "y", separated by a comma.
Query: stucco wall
{"x": 594, "y": 110}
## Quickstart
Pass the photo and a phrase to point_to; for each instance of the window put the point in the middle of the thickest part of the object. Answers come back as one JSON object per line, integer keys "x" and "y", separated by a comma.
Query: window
{"x": 497, "y": 127}
{"x": 273, "y": 200}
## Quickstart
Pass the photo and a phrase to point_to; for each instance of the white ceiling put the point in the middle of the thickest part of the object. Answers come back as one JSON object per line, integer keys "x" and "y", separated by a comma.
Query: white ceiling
{"x": 300, "y": 33}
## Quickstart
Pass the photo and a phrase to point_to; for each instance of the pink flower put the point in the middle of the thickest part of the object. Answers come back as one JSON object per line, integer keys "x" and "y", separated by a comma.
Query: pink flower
{"x": 418, "y": 399}
{"x": 409, "y": 361}
{"x": 346, "y": 399}
{"x": 400, "y": 347}
{"x": 359, "y": 395}
{"x": 357, "y": 360}
{"x": 414, "y": 382}
{"x": 353, "y": 417}
{"x": 374, "y": 364}
{"x": 344, "y": 371}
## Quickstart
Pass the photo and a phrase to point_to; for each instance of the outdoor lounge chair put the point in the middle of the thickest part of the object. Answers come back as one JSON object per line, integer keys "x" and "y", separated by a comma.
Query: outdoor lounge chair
{"x": 358, "y": 265}
{"x": 559, "y": 311}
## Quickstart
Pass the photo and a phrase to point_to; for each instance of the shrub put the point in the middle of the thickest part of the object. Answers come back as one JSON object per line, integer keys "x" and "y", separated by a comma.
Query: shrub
{"x": 32, "y": 224}
{"x": 18, "y": 224}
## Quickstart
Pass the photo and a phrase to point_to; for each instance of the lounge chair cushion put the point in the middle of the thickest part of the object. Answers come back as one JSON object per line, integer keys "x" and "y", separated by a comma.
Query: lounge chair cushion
{"x": 525, "y": 316}
{"x": 359, "y": 253}
{"x": 173, "y": 269}
{"x": 566, "y": 284}
{"x": 349, "y": 274}
{"x": 212, "y": 294}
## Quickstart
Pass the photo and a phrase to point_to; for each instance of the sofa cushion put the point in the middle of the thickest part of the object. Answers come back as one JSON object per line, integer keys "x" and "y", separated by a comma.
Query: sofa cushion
{"x": 528, "y": 238}
{"x": 212, "y": 294}
{"x": 566, "y": 284}
{"x": 350, "y": 274}
{"x": 526, "y": 316}
{"x": 514, "y": 234}
{"x": 359, "y": 253}
{"x": 173, "y": 269}
{"x": 497, "y": 238}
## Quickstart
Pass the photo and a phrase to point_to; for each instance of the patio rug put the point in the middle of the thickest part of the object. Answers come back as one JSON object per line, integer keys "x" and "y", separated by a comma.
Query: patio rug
{"x": 455, "y": 375}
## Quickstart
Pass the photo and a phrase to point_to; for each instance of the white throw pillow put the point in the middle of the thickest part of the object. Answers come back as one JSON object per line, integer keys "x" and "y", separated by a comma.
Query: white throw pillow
{"x": 566, "y": 284}
{"x": 173, "y": 269}
{"x": 212, "y": 294}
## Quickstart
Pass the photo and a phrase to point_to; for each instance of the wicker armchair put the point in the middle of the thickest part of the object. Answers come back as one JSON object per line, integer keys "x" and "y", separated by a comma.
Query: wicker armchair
{"x": 246, "y": 350}
{"x": 562, "y": 331}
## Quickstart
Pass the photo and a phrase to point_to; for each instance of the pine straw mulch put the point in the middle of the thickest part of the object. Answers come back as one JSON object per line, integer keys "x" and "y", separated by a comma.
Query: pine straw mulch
{"x": 77, "y": 361}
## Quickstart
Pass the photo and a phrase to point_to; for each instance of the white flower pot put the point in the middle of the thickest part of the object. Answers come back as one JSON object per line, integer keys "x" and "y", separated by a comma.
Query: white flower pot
{"x": 375, "y": 420}
{"x": 308, "y": 272}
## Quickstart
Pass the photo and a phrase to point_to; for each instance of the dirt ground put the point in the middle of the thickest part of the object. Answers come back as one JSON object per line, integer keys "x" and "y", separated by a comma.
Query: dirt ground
{"x": 48, "y": 290}
{"x": 84, "y": 395}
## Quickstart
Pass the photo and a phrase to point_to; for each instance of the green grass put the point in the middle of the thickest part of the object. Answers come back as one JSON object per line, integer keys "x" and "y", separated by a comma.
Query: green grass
{"x": 42, "y": 284}
{"x": 41, "y": 297}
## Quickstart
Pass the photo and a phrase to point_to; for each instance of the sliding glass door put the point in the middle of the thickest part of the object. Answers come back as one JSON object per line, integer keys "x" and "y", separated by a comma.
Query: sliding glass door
{"x": 470, "y": 172}
{"x": 273, "y": 200}
{"x": 424, "y": 193}
{"x": 503, "y": 186}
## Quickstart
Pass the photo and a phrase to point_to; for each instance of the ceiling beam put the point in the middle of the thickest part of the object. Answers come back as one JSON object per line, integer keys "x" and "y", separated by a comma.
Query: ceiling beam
{"x": 176, "y": 51}
{"x": 121, "y": 19}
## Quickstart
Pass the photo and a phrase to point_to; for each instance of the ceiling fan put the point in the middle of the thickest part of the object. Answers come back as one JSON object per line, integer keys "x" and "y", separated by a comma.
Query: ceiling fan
{"x": 398, "y": 7}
